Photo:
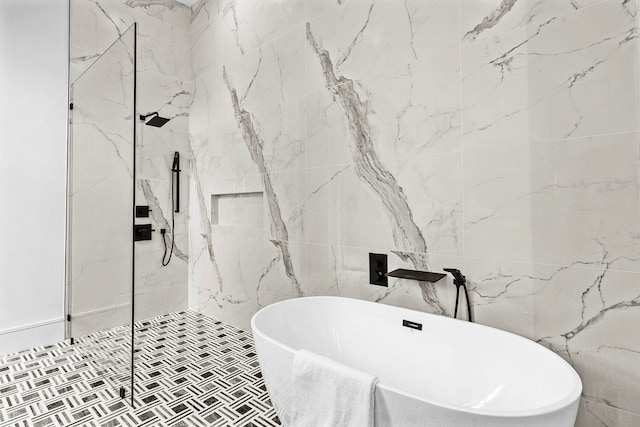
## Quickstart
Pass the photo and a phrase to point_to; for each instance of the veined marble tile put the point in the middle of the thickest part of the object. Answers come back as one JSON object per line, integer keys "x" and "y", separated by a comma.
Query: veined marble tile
{"x": 495, "y": 94}
{"x": 203, "y": 11}
{"x": 415, "y": 109}
{"x": 411, "y": 110}
{"x": 101, "y": 126}
{"x": 252, "y": 273}
{"x": 162, "y": 300}
{"x": 97, "y": 24}
{"x": 168, "y": 95}
{"x": 93, "y": 30}
{"x": 317, "y": 7}
{"x": 249, "y": 24}
{"x": 281, "y": 129}
{"x": 579, "y": 85}
{"x": 100, "y": 206}
{"x": 205, "y": 279}
{"x": 290, "y": 189}
{"x": 236, "y": 158}
{"x": 163, "y": 48}
{"x": 592, "y": 414}
{"x": 332, "y": 192}
{"x": 169, "y": 11}
{"x": 487, "y": 18}
{"x": 151, "y": 276}
{"x": 572, "y": 202}
{"x": 534, "y": 83}
{"x": 206, "y": 37}
{"x": 100, "y": 273}
{"x": 205, "y": 112}
{"x": 102, "y": 147}
{"x": 584, "y": 314}
{"x": 348, "y": 205}
{"x": 327, "y": 141}
{"x": 261, "y": 140}
{"x": 433, "y": 188}
{"x": 366, "y": 37}
{"x": 268, "y": 76}
{"x": 156, "y": 146}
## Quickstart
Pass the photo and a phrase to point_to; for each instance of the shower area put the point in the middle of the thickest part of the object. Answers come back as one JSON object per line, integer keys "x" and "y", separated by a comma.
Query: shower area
{"x": 126, "y": 223}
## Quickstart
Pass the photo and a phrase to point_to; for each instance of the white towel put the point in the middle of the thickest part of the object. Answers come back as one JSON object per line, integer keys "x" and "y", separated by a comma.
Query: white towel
{"x": 327, "y": 393}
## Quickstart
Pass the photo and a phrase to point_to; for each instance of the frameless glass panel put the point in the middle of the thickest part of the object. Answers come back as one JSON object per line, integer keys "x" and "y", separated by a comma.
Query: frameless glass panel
{"x": 101, "y": 177}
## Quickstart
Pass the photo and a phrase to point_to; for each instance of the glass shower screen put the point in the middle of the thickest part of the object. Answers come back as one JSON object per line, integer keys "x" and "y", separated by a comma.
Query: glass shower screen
{"x": 101, "y": 206}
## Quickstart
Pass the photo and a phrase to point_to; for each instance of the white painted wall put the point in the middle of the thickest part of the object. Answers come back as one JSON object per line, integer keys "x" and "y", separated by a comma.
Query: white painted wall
{"x": 33, "y": 157}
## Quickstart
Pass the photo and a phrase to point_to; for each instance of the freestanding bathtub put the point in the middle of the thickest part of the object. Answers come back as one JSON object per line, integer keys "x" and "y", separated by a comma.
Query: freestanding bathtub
{"x": 449, "y": 373}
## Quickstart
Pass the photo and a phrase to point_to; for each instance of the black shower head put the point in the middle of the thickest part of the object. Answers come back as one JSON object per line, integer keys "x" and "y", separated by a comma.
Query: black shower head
{"x": 155, "y": 121}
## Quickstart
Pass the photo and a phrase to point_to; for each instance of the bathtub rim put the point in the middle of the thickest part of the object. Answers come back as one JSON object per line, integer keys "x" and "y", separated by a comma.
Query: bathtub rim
{"x": 571, "y": 398}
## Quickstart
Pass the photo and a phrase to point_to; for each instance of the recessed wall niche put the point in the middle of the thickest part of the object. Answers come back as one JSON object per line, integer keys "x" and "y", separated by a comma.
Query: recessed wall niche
{"x": 237, "y": 209}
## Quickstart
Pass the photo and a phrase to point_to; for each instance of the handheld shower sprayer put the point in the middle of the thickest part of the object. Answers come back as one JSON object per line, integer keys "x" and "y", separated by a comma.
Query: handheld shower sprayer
{"x": 175, "y": 169}
{"x": 175, "y": 207}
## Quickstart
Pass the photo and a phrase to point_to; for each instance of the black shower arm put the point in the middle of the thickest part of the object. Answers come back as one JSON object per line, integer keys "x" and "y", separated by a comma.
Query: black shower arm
{"x": 145, "y": 117}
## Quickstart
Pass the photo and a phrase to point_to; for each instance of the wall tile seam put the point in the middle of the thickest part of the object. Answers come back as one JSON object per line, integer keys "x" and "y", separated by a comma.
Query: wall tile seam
{"x": 430, "y": 56}
{"x": 383, "y": 161}
{"x": 445, "y": 255}
{"x": 149, "y": 74}
{"x": 564, "y": 266}
{"x": 156, "y": 72}
{"x": 163, "y": 23}
{"x": 382, "y": 71}
{"x": 265, "y": 42}
{"x": 544, "y": 141}
{"x": 427, "y": 155}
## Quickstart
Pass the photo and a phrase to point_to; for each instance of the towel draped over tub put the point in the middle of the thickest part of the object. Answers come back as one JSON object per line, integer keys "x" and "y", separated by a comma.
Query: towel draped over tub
{"x": 329, "y": 394}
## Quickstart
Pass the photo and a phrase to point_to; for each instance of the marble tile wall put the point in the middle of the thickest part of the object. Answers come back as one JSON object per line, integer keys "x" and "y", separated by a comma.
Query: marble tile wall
{"x": 101, "y": 252}
{"x": 498, "y": 137}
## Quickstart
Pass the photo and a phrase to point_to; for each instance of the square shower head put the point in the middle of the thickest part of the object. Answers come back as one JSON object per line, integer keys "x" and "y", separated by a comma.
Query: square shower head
{"x": 155, "y": 121}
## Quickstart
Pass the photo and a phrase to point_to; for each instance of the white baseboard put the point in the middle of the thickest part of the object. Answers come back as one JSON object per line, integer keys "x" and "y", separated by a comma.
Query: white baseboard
{"x": 32, "y": 335}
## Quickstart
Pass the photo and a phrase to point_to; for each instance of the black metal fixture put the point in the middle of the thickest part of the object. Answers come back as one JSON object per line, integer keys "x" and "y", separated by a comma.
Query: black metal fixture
{"x": 412, "y": 325}
{"x": 175, "y": 207}
{"x": 155, "y": 121}
{"x": 422, "y": 276}
{"x": 175, "y": 169}
{"x": 460, "y": 281}
{"x": 378, "y": 269}
{"x": 142, "y": 232}
{"x": 142, "y": 211}
{"x": 378, "y": 276}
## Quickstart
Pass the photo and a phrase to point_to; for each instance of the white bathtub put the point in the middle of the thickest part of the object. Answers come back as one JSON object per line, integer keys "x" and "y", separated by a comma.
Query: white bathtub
{"x": 450, "y": 373}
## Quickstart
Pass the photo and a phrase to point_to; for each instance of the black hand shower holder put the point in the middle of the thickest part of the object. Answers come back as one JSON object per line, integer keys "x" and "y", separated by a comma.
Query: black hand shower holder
{"x": 460, "y": 281}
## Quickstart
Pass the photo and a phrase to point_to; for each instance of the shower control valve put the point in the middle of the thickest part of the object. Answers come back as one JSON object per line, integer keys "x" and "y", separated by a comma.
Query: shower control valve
{"x": 142, "y": 232}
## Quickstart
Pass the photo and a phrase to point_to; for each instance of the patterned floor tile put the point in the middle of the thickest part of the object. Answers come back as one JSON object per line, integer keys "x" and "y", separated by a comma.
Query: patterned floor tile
{"x": 190, "y": 370}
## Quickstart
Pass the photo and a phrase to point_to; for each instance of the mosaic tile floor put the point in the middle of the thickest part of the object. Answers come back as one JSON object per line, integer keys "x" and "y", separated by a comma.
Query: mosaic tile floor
{"x": 190, "y": 371}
